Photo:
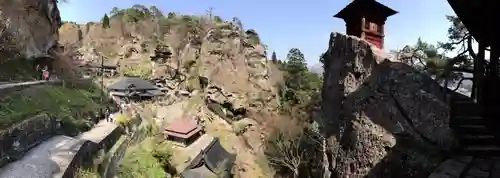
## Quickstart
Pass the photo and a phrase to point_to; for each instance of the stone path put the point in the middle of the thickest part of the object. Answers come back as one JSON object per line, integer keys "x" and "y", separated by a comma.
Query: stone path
{"x": 468, "y": 167}
{"x": 98, "y": 132}
{"x": 52, "y": 157}
{"x": 48, "y": 159}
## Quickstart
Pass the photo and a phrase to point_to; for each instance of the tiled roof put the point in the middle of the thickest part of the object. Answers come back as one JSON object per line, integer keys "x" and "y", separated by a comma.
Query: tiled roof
{"x": 182, "y": 126}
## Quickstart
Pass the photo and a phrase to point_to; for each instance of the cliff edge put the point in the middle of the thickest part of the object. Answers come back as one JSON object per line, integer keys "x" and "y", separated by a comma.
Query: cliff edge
{"x": 381, "y": 118}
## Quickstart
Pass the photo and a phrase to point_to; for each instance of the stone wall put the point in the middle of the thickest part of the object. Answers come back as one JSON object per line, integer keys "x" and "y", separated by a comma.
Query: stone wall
{"x": 109, "y": 166}
{"x": 381, "y": 117}
{"x": 27, "y": 134}
{"x": 90, "y": 150}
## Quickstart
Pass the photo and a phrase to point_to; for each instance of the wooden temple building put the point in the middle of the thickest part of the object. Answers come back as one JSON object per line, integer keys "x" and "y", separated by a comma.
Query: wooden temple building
{"x": 474, "y": 119}
{"x": 183, "y": 132}
{"x": 134, "y": 89}
{"x": 213, "y": 161}
{"x": 365, "y": 19}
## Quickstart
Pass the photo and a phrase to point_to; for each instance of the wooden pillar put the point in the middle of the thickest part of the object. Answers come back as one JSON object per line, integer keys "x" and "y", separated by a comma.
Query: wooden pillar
{"x": 494, "y": 56}
{"x": 479, "y": 73}
{"x": 363, "y": 22}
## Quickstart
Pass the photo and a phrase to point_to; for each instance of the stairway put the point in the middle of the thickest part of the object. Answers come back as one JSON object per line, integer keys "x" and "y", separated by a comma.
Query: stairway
{"x": 473, "y": 132}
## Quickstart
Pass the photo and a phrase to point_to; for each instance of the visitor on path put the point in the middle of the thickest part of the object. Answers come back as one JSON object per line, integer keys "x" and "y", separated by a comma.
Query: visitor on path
{"x": 111, "y": 117}
{"x": 45, "y": 73}
{"x": 39, "y": 70}
{"x": 123, "y": 107}
{"x": 107, "y": 114}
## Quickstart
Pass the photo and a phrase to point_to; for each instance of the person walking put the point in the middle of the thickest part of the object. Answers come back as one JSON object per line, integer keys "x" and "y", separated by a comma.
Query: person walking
{"x": 122, "y": 107}
{"x": 45, "y": 73}
{"x": 39, "y": 71}
{"x": 106, "y": 115}
{"x": 111, "y": 117}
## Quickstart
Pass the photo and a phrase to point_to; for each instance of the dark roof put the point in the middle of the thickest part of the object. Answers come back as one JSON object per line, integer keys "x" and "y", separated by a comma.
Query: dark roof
{"x": 147, "y": 93}
{"x": 132, "y": 82}
{"x": 477, "y": 18}
{"x": 368, "y": 6}
{"x": 200, "y": 172}
{"x": 213, "y": 158}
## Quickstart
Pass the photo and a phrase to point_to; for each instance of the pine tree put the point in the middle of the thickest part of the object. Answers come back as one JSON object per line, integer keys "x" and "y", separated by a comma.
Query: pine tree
{"x": 105, "y": 21}
{"x": 295, "y": 67}
{"x": 296, "y": 62}
{"x": 274, "y": 59}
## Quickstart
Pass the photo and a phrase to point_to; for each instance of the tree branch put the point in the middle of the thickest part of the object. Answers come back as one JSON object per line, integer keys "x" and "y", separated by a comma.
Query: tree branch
{"x": 460, "y": 83}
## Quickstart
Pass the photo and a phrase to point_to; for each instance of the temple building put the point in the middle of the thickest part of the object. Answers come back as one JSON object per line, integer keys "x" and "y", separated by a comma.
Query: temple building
{"x": 183, "y": 132}
{"x": 134, "y": 89}
{"x": 366, "y": 19}
{"x": 213, "y": 161}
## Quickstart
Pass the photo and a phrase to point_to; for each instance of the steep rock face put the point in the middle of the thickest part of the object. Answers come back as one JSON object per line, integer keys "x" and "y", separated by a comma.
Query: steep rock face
{"x": 381, "y": 118}
{"x": 237, "y": 73}
{"x": 28, "y": 28}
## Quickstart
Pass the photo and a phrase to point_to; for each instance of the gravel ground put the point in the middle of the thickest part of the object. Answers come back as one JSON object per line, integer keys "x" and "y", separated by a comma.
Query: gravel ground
{"x": 44, "y": 161}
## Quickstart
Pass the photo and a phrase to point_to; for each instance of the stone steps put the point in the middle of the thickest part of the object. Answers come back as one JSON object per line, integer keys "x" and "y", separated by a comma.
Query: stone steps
{"x": 472, "y": 131}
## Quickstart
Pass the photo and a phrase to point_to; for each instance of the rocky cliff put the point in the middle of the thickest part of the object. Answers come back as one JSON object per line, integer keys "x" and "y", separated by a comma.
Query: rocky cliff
{"x": 381, "y": 118}
{"x": 210, "y": 68}
{"x": 219, "y": 60}
{"x": 28, "y": 28}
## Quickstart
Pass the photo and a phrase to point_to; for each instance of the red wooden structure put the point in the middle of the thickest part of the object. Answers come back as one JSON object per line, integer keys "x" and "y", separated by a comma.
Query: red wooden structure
{"x": 366, "y": 19}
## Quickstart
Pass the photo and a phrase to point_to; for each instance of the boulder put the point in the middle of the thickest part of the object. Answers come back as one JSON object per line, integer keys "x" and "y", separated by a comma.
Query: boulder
{"x": 381, "y": 118}
{"x": 29, "y": 28}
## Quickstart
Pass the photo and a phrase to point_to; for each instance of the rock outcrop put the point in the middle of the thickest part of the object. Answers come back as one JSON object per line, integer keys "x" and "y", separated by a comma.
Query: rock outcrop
{"x": 218, "y": 62}
{"x": 28, "y": 28}
{"x": 381, "y": 118}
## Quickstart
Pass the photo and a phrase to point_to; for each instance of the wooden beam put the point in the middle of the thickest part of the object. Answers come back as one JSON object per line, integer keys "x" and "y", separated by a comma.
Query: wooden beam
{"x": 478, "y": 83}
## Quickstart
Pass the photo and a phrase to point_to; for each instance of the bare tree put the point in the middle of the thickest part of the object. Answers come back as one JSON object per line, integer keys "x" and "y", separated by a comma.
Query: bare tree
{"x": 284, "y": 147}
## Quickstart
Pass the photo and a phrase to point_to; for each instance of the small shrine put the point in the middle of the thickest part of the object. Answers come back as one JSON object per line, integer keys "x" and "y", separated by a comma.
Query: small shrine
{"x": 183, "y": 132}
{"x": 365, "y": 19}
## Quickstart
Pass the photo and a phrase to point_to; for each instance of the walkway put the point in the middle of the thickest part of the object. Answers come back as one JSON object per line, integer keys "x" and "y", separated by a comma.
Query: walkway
{"x": 48, "y": 159}
{"x": 52, "y": 157}
{"x": 98, "y": 132}
{"x": 468, "y": 167}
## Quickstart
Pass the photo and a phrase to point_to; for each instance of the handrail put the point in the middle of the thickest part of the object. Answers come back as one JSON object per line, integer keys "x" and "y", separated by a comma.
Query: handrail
{"x": 36, "y": 82}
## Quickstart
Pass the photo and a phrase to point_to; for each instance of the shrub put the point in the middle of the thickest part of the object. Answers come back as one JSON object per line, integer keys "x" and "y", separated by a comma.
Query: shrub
{"x": 218, "y": 19}
{"x": 142, "y": 70}
{"x": 122, "y": 119}
{"x": 87, "y": 173}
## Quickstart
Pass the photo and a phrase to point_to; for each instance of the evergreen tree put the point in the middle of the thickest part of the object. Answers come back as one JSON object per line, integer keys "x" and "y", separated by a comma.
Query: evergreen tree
{"x": 157, "y": 13}
{"x": 105, "y": 21}
{"x": 274, "y": 59}
{"x": 296, "y": 63}
{"x": 115, "y": 11}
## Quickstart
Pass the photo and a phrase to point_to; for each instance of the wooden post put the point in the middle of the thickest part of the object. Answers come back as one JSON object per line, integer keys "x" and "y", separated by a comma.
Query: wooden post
{"x": 479, "y": 73}
{"x": 363, "y": 22}
{"x": 494, "y": 64}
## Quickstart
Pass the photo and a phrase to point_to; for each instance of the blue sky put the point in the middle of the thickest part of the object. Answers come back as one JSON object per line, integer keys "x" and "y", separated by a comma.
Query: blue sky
{"x": 285, "y": 24}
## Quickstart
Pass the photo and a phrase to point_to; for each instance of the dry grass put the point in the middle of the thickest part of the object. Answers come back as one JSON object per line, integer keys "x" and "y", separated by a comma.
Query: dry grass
{"x": 193, "y": 105}
{"x": 143, "y": 70}
{"x": 180, "y": 159}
